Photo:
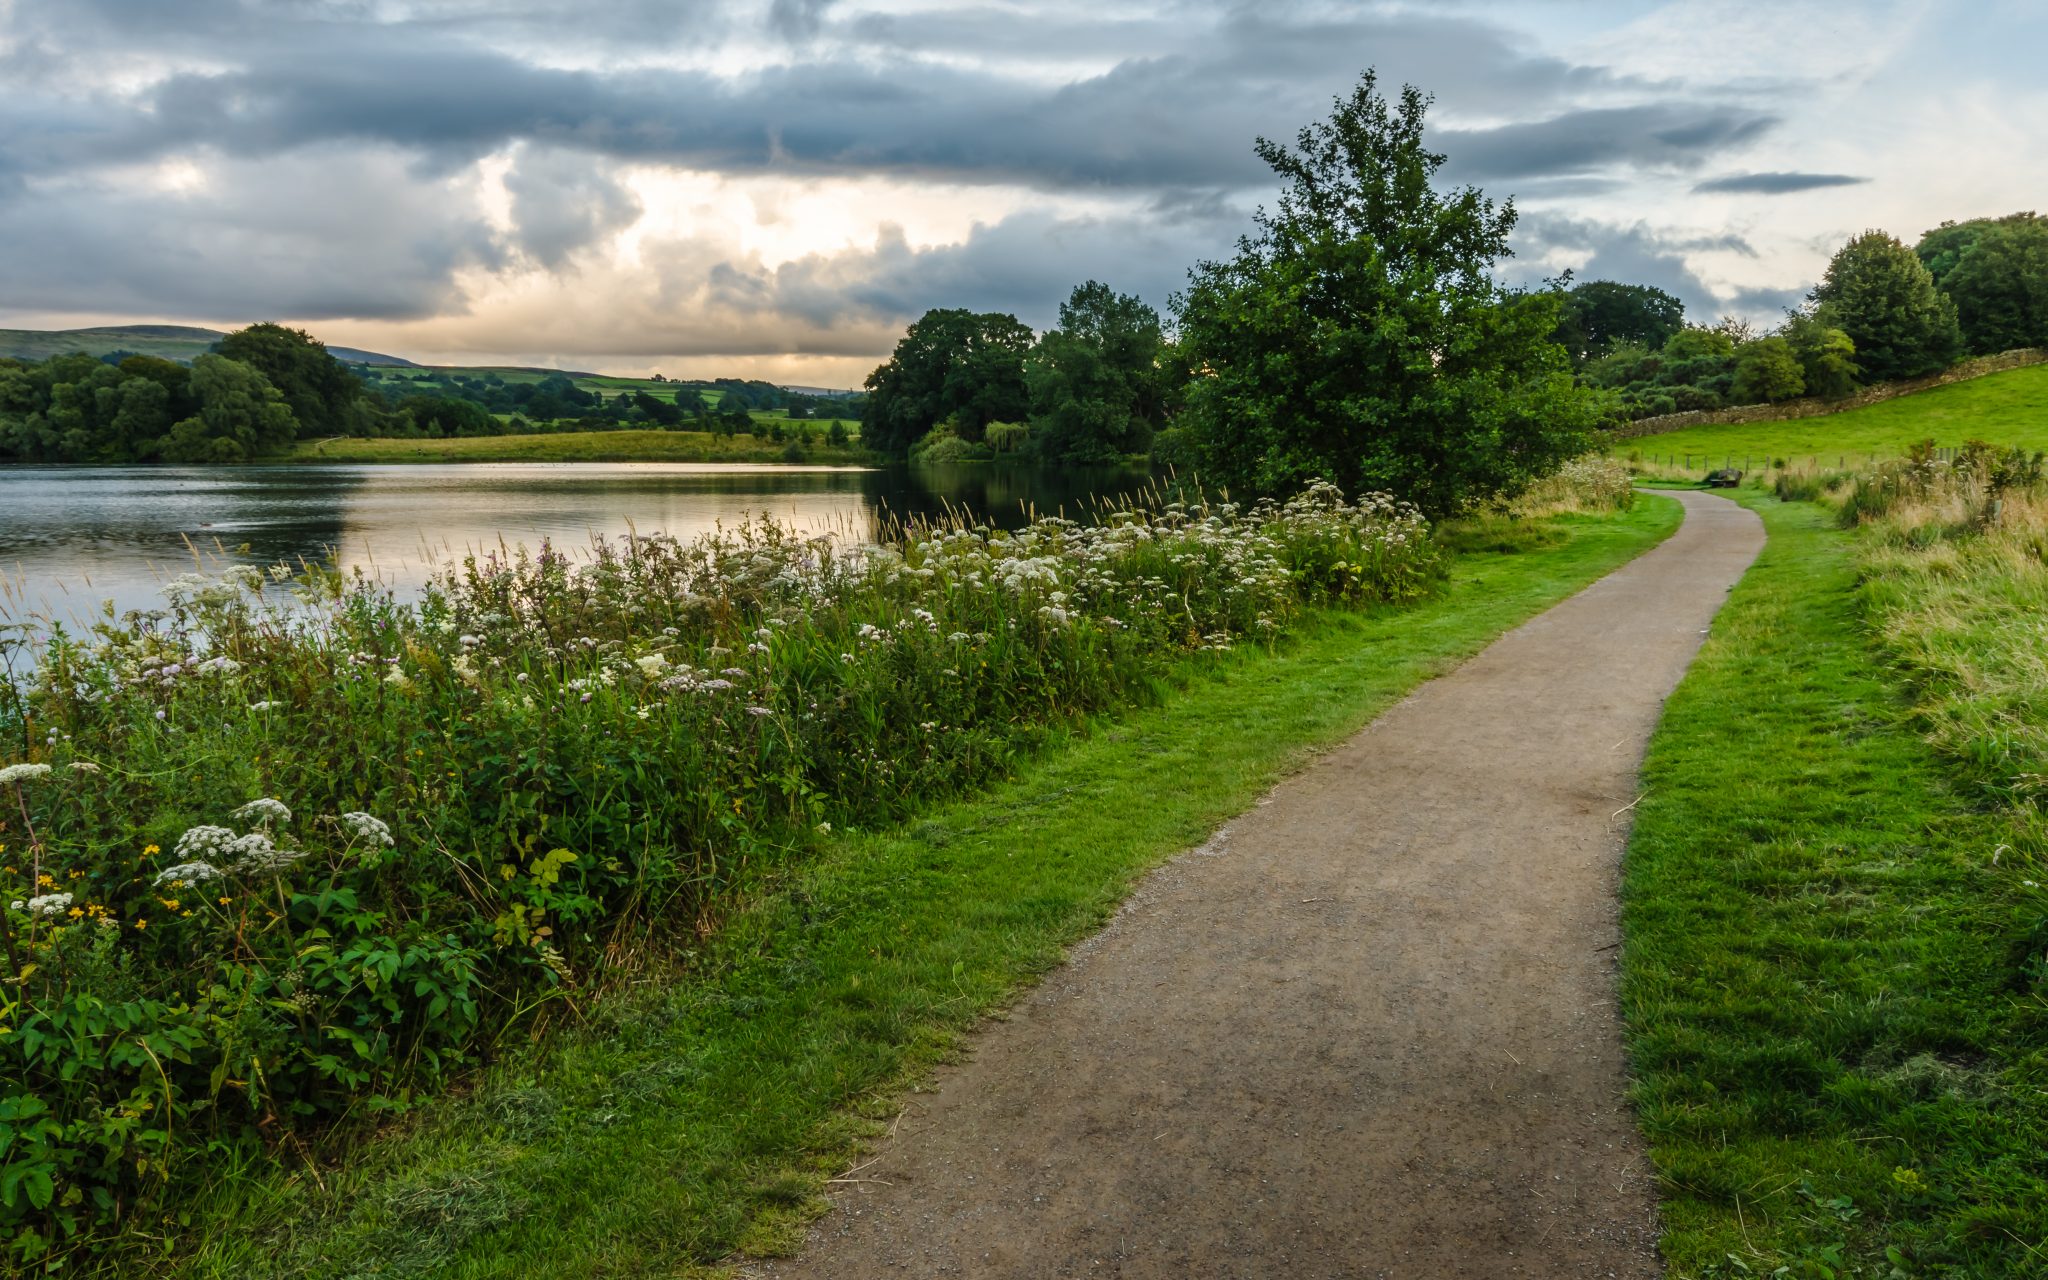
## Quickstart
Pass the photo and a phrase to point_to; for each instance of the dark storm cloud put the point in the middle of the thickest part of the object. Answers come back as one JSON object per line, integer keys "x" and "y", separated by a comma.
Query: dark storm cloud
{"x": 316, "y": 235}
{"x": 1658, "y": 135}
{"x": 561, "y": 202}
{"x": 337, "y": 133}
{"x": 1181, "y": 117}
{"x": 1775, "y": 184}
{"x": 1632, "y": 254}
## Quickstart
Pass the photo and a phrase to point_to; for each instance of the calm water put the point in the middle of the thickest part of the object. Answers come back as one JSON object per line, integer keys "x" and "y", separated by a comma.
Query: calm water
{"x": 72, "y": 538}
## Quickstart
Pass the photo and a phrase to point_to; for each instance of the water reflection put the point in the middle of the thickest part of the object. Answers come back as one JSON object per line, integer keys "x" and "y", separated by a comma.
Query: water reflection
{"x": 72, "y": 538}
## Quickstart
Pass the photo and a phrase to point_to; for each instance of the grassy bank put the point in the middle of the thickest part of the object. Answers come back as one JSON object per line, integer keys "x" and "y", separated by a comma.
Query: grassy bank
{"x": 2008, "y": 408}
{"x": 703, "y": 1117}
{"x": 577, "y": 446}
{"x": 1837, "y": 1038}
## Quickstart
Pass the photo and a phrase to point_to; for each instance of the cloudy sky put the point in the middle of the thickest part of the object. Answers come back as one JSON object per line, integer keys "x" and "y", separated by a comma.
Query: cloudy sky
{"x": 773, "y": 188}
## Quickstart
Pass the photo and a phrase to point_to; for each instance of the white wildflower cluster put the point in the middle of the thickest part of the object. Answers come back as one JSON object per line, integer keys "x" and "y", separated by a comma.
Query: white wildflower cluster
{"x": 187, "y": 873}
{"x": 372, "y": 831}
{"x": 20, "y": 773}
{"x": 264, "y": 812}
{"x": 257, "y": 854}
{"x": 49, "y": 904}
{"x": 205, "y": 843}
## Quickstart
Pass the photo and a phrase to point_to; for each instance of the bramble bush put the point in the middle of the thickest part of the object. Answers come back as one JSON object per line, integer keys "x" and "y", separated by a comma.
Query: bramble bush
{"x": 284, "y": 854}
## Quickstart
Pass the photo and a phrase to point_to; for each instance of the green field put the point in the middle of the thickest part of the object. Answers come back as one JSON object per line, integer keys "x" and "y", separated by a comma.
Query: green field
{"x": 702, "y": 1116}
{"x": 2004, "y": 408}
{"x": 573, "y": 446}
{"x": 1838, "y": 1062}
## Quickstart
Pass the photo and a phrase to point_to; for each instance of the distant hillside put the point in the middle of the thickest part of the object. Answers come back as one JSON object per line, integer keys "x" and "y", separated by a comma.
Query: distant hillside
{"x": 169, "y": 341}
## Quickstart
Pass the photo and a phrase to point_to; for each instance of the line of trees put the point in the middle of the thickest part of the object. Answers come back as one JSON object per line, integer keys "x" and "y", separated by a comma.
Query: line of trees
{"x": 1360, "y": 335}
{"x": 263, "y": 387}
{"x": 1882, "y": 311}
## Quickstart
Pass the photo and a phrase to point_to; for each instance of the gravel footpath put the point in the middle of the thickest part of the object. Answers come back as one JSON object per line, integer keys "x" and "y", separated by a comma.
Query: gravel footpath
{"x": 1369, "y": 1030}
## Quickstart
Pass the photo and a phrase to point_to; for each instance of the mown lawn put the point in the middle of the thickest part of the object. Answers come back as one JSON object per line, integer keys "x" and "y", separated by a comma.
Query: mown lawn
{"x": 701, "y": 1116}
{"x": 1840, "y": 1064}
{"x": 2004, "y": 408}
{"x": 575, "y": 446}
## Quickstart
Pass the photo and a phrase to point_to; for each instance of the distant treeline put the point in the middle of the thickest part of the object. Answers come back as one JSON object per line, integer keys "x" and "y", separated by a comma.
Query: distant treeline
{"x": 264, "y": 387}
{"x": 1112, "y": 379}
{"x": 1883, "y": 311}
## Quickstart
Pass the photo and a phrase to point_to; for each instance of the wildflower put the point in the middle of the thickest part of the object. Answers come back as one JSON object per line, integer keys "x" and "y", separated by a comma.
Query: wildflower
{"x": 263, "y": 812}
{"x": 20, "y": 773}
{"x": 48, "y": 904}
{"x": 223, "y": 664}
{"x": 398, "y": 678}
{"x": 186, "y": 873}
{"x": 363, "y": 827}
{"x": 85, "y": 766}
{"x": 760, "y": 711}
{"x": 151, "y": 850}
{"x": 204, "y": 840}
{"x": 257, "y": 854}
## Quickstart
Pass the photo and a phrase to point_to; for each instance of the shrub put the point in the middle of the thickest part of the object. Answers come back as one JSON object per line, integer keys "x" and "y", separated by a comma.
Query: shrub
{"x": 1585, "y": 484}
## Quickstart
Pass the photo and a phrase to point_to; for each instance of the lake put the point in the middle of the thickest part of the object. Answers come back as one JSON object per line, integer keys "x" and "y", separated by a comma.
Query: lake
{"x": 74, "y": 537}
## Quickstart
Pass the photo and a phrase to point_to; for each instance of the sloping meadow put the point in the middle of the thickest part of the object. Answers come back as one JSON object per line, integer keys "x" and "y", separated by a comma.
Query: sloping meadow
{"x": 280, "y": 857}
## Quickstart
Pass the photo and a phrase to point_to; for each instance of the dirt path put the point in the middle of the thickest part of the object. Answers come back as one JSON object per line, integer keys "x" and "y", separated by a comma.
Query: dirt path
{"x": 1369, "y": 1030}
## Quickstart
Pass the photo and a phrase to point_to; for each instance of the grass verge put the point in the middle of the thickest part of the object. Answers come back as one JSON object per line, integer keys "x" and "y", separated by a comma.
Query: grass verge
{"x": 1839, "y": 1065}
{"x": 574, "y": 446}
{"x": 701, "y": 1117}
{"x": 2008, "y": 408}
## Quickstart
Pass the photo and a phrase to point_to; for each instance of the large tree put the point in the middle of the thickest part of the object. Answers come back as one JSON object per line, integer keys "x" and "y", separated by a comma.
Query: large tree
{"x": 1597, "y": 314}
{"x": 951, "y": 364}
{"x": 1097, "y": 382}
{"x": 1996, "y": 272}
{"x": 1359, "y": 335}
{"x": 1878, "y": 292}
{"x": 321, "y": 391}
{"x": 240, "y": 416}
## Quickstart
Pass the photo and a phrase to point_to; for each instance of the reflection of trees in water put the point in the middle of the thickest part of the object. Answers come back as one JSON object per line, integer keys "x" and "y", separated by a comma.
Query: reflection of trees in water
{"x": 1002, "y": 493}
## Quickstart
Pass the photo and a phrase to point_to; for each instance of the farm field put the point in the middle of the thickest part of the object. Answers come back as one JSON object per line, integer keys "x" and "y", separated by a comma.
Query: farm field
{"x": 573, "y": 446}
{"x": 2008, "y": 408}
{"x": 702, "y": 1117}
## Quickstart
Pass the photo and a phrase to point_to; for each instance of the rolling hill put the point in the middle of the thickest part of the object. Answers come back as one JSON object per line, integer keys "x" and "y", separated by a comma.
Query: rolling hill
{"x": 170, "y": 341}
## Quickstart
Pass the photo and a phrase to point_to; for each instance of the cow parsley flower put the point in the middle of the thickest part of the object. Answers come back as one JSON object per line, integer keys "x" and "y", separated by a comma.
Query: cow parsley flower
{"x": 187, "y": 873}
{"x": 49, "y": 904}
{"x": 362, "y": 826}
{"x": 257, "y": 854}
{"x": 19, "y": 773}
{"x": 263, "y": 812}
{"x": 204, "y": 841}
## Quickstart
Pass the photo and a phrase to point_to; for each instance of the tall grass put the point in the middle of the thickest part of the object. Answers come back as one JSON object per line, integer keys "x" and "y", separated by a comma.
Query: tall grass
{"x": 280, "y": 860}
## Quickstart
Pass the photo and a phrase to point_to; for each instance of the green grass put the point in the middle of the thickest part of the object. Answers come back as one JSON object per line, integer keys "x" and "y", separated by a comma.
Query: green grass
{"x": 571, "y": 446}
{"x": 1839, "y": 1064}
{"x": 2004, "y": 408}
{"x": 700, "y": 1117}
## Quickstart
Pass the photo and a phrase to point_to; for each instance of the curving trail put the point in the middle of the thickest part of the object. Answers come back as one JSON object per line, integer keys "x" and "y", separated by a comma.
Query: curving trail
{"x": 1369, "y": 1030}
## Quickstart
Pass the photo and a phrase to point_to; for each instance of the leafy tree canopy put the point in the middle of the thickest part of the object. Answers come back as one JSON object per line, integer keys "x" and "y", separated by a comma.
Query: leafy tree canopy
{"x": 962, "y": 366}
{"x": 320, "y": 389}
{"x": 1878, "y": 292}
{"x": 1597, "y": 314}
{"x": 1995, "y": 270}
{"x": 1359, "y": 336}
{"x": 1097, "y": 386}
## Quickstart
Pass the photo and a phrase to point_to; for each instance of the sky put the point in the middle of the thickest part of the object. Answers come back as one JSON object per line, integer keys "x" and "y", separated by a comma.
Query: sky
{"x": 775, "y": 188}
